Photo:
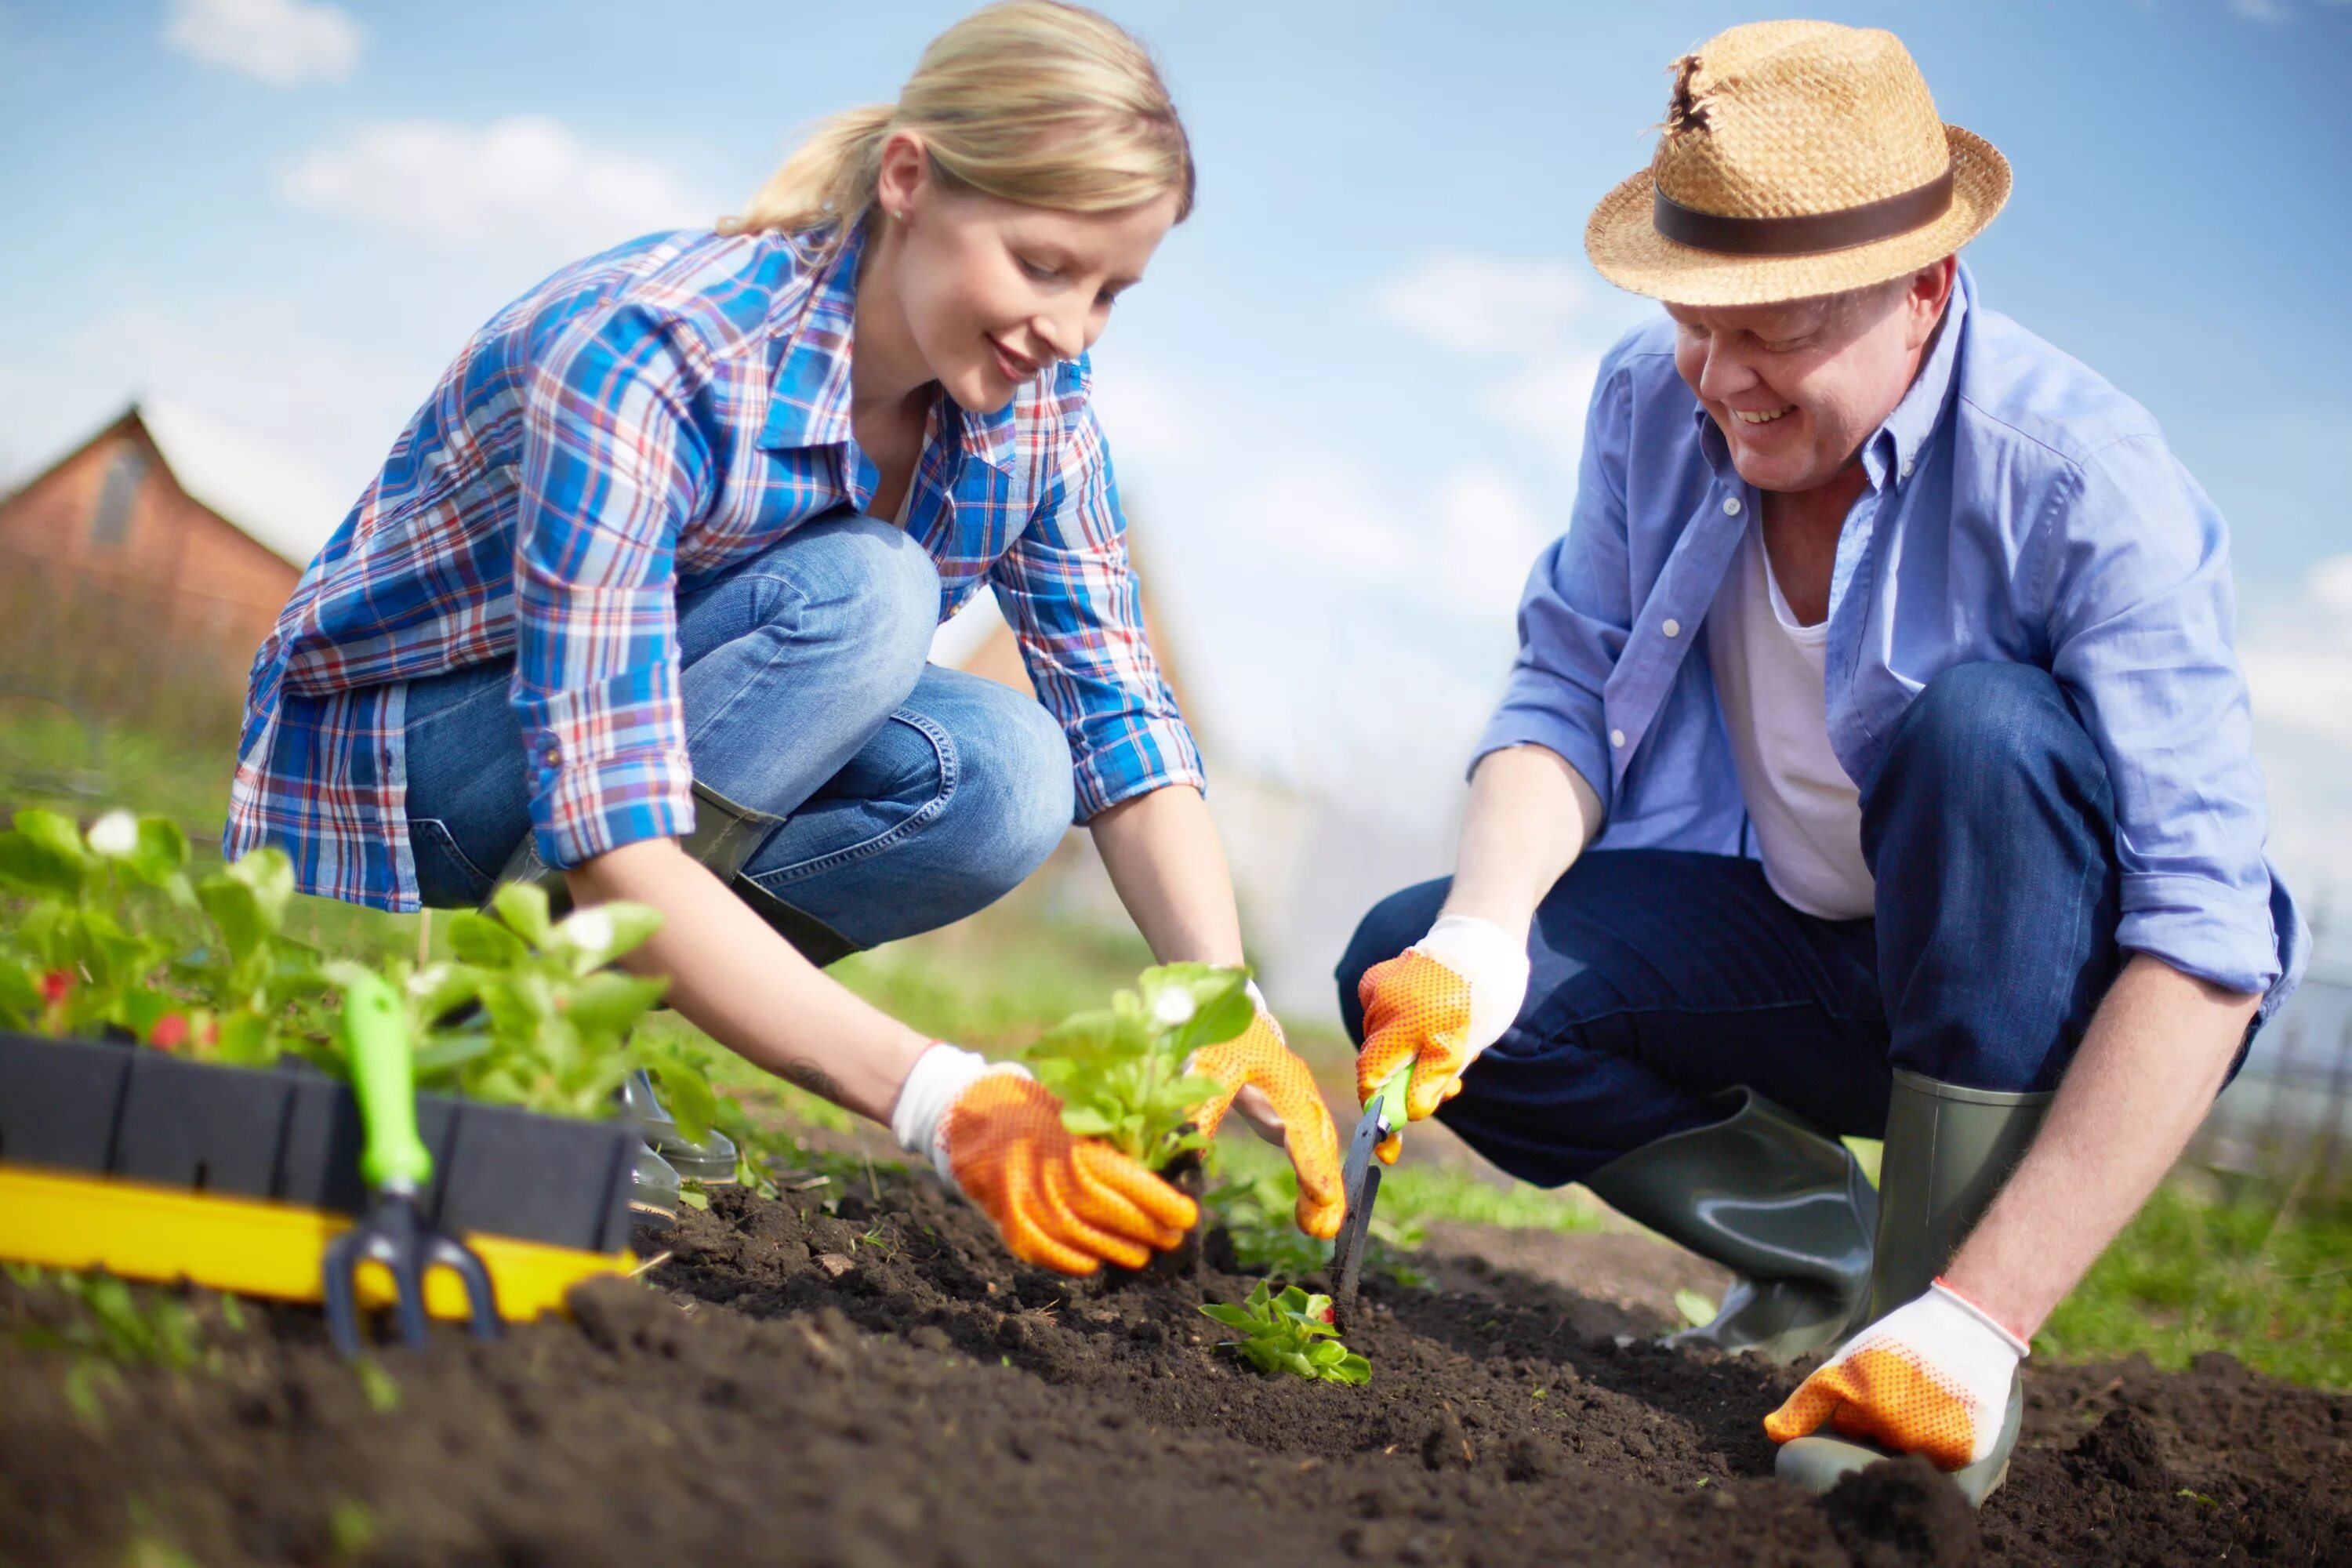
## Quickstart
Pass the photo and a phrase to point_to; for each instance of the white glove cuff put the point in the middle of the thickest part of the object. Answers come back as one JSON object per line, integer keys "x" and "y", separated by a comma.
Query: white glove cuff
{"x": 1978, "y": 1315}
{"x": 1483, "y": 954}
{"x": 937, "y": 1080}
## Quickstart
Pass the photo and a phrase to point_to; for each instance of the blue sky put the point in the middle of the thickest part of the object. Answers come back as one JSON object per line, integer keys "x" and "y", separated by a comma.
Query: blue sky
{"x": 1345, "y": 405}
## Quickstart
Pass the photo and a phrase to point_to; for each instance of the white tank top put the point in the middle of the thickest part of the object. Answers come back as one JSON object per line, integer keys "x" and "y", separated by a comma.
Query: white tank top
{"x": 1768, "y": 675}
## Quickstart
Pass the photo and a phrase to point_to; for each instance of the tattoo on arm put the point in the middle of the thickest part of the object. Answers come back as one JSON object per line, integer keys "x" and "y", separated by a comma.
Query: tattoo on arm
{"x": 805, "y": 1074}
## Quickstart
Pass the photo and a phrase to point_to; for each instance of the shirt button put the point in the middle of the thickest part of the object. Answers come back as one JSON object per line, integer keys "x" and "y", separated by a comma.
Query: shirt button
{"x": 1617, "y": 739}
{"x": 550, "y": 756}
{"x": 1731, "y": 506}
{"x": 1672, "y": 628}
{"x": 1906, "y": 468}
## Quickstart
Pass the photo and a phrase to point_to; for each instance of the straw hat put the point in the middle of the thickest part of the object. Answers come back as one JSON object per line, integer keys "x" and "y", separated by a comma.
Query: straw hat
{"x": 1797, "y": 158}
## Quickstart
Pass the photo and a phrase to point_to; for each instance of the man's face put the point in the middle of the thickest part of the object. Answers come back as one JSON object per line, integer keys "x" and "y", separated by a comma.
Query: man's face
{"x": 1796, "y": 388}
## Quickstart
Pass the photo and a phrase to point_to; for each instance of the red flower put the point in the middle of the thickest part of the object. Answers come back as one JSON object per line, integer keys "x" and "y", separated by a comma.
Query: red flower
{"x": 169, "y": 1033}
{"x": 212, "y": 1031}
{"x": 56, "y": 986}
{"x": 1330, "y": 1317}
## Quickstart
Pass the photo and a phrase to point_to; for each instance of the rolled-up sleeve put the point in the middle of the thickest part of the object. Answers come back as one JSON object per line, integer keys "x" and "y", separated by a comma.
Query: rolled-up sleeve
{"x": 2140, "y": 627}
{"x": 1070, "y": 595}
{"x": 1574, "y": 615}
{"x": 611, "y": 469}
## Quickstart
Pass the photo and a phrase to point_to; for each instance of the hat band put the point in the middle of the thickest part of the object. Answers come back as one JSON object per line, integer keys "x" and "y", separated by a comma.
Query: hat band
{"x": 1806, "y": 234}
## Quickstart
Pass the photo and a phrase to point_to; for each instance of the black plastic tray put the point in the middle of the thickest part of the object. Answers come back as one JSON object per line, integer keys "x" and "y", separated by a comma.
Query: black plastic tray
{"x": 291, "y": 1134}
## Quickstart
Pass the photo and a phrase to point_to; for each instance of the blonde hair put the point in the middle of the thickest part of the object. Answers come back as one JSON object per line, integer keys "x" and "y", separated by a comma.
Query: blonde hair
{"x": 1028, "y": 101}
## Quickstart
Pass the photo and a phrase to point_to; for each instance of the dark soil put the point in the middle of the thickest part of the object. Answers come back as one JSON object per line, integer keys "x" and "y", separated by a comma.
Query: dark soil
{"x": 883, "y": 1385}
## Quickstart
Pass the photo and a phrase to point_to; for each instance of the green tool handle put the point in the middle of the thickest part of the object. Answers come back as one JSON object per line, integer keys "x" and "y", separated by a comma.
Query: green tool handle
{"x": 384, "y": 1077}
{"x": 1390, "y": 1095}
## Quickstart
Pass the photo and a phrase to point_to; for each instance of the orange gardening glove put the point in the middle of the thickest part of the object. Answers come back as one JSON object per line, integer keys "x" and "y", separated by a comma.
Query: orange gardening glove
{"x": 1931, "y": 1377}
{"x": 1260, "y": 1058}
{"x": 1437, "y": 1005}
{"x": 1068, "y": 1203}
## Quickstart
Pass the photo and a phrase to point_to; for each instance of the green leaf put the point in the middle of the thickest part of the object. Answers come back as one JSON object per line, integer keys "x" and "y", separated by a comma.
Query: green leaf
{"x": 270, "y": 875}
{"x": 161, "y": 851}
{"x": 33, "y": 864}
{"x": 1086, "y": 1122}
{"x": 446, "y": 1053}
{"x": 478, "y": 940}
{"x": 1233, "y": 1317}
{"x": 688, "y": 1090}
{"x": 236, "y": 913}
{"x": 247, "y": 1039}
{"x": 1695, "y": 1308}
{"x": 611, "y": 1004}
{"x": 523, "y": 907}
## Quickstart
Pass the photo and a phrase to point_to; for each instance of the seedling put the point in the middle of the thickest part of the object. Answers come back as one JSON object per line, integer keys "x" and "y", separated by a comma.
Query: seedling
{"x": 1120, "y": 1072}
{"x": 1291, "y": 1332}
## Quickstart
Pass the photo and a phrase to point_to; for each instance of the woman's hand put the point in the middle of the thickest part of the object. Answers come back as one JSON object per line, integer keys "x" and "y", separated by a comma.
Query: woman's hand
{"x": 1067, "y": 1202}
{"x": 1259, "y": 1058}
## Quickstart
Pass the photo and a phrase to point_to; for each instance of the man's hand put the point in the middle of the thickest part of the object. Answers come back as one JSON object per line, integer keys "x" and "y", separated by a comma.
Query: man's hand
{"x": 1067, "y": 1202}
{"x": 1437, "y": 1005}
{"x": 1931, "y": 1377}
{"x": 1260, "y": 1058}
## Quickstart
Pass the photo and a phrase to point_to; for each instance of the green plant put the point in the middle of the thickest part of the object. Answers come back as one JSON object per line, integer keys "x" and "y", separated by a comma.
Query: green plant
{"x": 1120, "y": 1071}
{"x": 531, "y": 1011}
{"x": 1290, "y": 1332}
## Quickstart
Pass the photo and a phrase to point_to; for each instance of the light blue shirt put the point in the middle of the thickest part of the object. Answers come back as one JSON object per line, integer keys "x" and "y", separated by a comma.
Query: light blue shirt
{"x": 2018, "y": 508}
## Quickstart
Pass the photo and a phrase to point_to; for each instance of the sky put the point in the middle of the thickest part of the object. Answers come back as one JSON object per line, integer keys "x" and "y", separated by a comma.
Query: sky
{"x": 1345, "y": 403}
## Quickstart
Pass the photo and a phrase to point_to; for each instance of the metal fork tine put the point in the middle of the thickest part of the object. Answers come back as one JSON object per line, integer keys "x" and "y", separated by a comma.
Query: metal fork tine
{"x": 341, "y": 1294}
{"x": 468, "y": 1266}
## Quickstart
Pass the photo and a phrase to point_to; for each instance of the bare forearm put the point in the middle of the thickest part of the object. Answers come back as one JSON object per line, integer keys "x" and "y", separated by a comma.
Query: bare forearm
{"x": 2146, "y": 1074}
{"x": 750, "y": 989}
{"x": 1530, "y": 815}
{"x": 1168, "y": 868}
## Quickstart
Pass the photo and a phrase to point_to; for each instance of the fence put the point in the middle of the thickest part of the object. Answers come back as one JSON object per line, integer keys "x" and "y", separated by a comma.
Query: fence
{"x": 2288, "y": 1115}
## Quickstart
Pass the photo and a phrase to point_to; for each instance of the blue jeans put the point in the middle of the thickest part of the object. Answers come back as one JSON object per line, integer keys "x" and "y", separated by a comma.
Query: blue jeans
{"x": 910, "y": 795}
{"x": 1662, "y": 978}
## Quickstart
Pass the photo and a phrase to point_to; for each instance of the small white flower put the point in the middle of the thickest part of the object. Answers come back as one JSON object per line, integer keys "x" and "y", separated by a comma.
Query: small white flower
{"x": 422, "y": 982}
{"x": 589, "y": 931}
{"x": 114, "y": 835}
{"x": 1173, "y": 1008}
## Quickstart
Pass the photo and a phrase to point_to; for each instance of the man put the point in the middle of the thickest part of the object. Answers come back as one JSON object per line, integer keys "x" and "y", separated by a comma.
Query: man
{"x": 1876, "y": 763}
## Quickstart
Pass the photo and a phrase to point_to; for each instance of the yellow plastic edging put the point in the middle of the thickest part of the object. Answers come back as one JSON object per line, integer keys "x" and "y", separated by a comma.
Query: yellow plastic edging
{"x": 251, "y": 1247}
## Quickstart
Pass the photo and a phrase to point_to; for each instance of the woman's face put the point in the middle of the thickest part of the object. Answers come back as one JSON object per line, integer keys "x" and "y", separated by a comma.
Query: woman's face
{"x": 993, "y": 292}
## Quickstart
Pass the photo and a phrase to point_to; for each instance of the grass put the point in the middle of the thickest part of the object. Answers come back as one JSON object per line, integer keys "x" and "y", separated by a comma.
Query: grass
{"x": 2263, "y": 1275}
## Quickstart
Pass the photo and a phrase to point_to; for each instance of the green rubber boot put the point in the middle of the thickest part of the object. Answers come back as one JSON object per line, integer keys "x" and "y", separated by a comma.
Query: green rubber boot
{"x": 1775, "y": 1199}
{"x": 725, "y": 836}
{"x": 1948, "y": 1150}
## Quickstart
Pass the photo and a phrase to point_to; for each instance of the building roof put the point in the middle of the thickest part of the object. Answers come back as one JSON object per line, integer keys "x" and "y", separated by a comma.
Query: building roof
{"x": 271, "y": 500}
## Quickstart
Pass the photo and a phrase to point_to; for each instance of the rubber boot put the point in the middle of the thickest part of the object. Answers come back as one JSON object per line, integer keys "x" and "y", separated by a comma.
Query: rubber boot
{"x": 725, "y": 836}
{"x": 709, "y": 1160}
{"x": 1948, "y": 1151}
{"x": 1773, "y": 1198}
{"x": 652, "y": 1191}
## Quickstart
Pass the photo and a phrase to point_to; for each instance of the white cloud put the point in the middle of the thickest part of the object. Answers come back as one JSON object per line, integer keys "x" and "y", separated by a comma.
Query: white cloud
{"x": 2298, "y": 655}
{"x": 1491, "y": 534}
{"x": 523, "y": 182}
{"x": 1536, "y": 329}
{"x": 1487, "y": 306}
{"x": 282, "y": 42}
{"x": 1142, "y": 414}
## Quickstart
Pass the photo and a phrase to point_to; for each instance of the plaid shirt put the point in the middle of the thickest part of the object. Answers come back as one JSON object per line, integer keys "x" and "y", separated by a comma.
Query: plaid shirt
{"x": 654, "y": 414}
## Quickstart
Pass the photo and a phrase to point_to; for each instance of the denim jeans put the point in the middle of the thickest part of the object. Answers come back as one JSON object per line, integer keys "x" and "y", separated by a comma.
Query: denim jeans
{"x": 1662, "y": 978}
{"x": 911, "y": 796}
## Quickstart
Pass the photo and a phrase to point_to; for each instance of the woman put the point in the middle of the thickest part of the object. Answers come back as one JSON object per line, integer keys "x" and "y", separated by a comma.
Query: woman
{"x": 645, "y": 590}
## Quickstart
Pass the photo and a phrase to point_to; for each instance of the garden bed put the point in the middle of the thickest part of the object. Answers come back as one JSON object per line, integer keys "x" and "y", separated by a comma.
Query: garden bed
{"x": 883, "y": 1385}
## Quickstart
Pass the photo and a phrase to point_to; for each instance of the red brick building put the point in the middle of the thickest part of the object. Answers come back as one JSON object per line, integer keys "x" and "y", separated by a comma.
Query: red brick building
{"x": 110, "y": 541}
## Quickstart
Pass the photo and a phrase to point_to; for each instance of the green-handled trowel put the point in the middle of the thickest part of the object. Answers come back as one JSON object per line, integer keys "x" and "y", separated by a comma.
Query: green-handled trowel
{"x": 1359, "y": 1177}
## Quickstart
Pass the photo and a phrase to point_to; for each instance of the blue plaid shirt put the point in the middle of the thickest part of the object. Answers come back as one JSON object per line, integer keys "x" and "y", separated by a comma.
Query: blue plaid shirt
{"x": 2018, "y": 508}
{"x": 660, "y": 412}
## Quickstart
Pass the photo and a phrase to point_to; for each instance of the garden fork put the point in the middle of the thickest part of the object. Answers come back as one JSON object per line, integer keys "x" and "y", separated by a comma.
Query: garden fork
{"x": 397, "y": 1165}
